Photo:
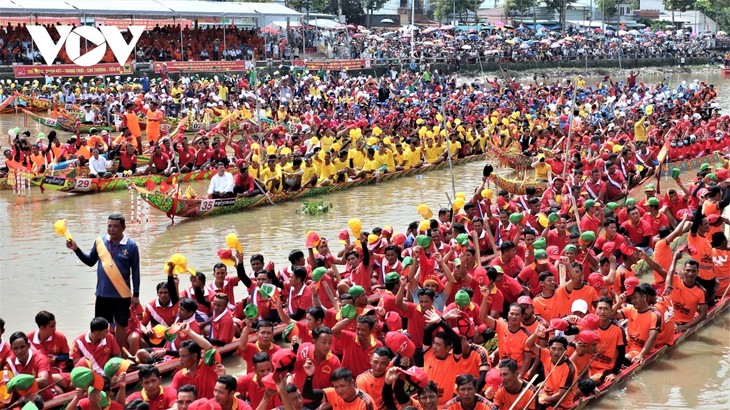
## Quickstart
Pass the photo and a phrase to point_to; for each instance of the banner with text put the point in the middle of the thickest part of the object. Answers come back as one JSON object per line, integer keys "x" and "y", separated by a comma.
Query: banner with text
{"x": 149, "y": 24}
{"x": 203, "y": 66}
{"x": 333, "y": 64}
{"x": 15, "y": 20}
{"x": 70, "y": 70}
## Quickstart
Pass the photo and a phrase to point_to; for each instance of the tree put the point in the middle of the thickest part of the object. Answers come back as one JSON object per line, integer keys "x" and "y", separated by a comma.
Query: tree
{"x": 560, "y": 6}
{"x": 370, "y": 6}
{"x": 311, "y": 5}
{"x": 446, "y": 7}
{"x": 520, "y": 6}
{"x": 608, "y": 8}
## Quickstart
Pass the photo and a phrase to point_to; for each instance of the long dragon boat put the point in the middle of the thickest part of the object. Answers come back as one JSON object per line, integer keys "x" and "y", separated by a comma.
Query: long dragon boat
{"x": 7, "y": 107}
{"x": 199, "y": 207}
{"x": 35, "y": 104}
{"x": 167, "y": 366}
{"x": 517, "y": 186}
{"x": 720, "y": 307}
{"x": 67, "y": 124}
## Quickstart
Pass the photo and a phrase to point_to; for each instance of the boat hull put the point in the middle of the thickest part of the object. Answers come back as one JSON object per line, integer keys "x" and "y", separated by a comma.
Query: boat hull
{"x": 198, "y": 207}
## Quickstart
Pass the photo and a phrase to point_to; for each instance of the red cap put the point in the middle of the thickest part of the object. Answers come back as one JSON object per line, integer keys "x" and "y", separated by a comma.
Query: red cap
{"x": 268, "y": 381}
{"x": 596, "y": 281}
{"x": 240, "y": 162}
{"x": 400, "y": 344}
{"x": 589, "y": 321}
{"x": 524, "y": 300}
{"x": 627, "y": 249}
{"x": 711, "y": 219}
{"x": 588, "y": 337}
{"x": 225, "y": 254}
{"x": 204, "y": 404}
{"x": 438, "y": 283}
{"x": 630, "y": 285}
{"x": 608, "y": 248}
{"x": 553, "y": 252}
{"x": 394, "y": 321}
{"x": 464, "y": 327}
{"x": 283, "y": 360}
{"x": 722, "y": 174}
{"x": 399, "y": 239}
{"x": 344, "y": 235}
{"x": 558, "y": 324}
{"x": 416, "y": 376}
{"x": 493, "y": 378}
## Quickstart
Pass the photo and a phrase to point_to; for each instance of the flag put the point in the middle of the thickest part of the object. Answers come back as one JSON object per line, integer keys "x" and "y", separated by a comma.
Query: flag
{"x": 150, "y": 185}
{"x": 252, "y": 78}
{"x": 664, "y": 151}
{"x": 164, "y": 187}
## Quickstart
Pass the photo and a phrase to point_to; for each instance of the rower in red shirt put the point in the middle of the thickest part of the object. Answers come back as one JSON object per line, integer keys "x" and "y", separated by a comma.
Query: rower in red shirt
{"x": 560, "y": 236}
{"x": 509, "y": 261}
{"x": 654, "y": 216}
{"x": 615, "y": 183}
{"x": 48, "y": 341}
{"x": 264, "y": 342}
{"x": 5, "y": 350}
{"x": 186, "y": 159}
{"x": 224, "y": 284}
{"x": 194, "y": 369}
{"x": 95, "y": 348}
{"x": 250, "y": 385}
{"x": 357, "y": 347}
{"x": 595, "y": 188}
{"x": 550, "y": 196}
{"x": 153, "y": 393}
{"x": 219, "y": 328}
{"x": 25, "y": 360}
{"x": 162, "y": 310}
{"x": 319, "y": 354}
{"x": 202, "y": 157}
{"x": 592, "y": 219}
{"x": 637, "y": 230}
{"x": 185, "y": 317}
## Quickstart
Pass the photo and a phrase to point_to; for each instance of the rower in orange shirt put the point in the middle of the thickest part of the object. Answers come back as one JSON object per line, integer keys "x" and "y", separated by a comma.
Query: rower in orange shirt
{"x": 644, "y": 321}
{"x": 558, "y": 387}
{"x": 131, "y": 122}
{"x": 37, "y": 160}
{"x": 96, "y": 141}
{"x": 510, "y": 333}
{"x": 511, "y": 388}
{"x": 688, "y": 296}
{"x": 467, "y": 397}
{"x": 372, "y": 381}
{"x": 342, "y": 396}
{"x": 610, "y": 357}
{"x": 720, "y": 257}
{"x": 442, "y": 353}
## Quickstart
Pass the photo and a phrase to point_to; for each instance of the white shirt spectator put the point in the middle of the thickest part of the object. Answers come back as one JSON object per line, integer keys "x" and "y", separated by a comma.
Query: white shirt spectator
{"x": 98, "y": 165}
{"x": 220, "y": 183}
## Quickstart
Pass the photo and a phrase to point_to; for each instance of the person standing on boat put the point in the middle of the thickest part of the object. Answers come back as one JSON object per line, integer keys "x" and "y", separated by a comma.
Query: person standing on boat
{"x": 131, "y": 122}
{"x": 644, "y": 321}
{"x": 154, "y": 121}
{"x": 117, "y": 264}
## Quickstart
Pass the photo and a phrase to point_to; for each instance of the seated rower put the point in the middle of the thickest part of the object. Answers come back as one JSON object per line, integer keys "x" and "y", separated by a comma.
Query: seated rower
{"x": 221, "y": 185}
{"x": 160, "y": 163}
{"x": 95, "y": 348}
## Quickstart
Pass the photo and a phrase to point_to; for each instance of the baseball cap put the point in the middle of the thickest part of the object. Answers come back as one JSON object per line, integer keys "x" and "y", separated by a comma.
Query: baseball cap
{"x": 589, "y": 204}
{"x": 83, "y": 378}
{"x": 400, "y": 344}
{"x": 649, "y": 188}
{"x": 318, "y": 273}
{"x": 711, "y": 219}
{"x": 416, "y": 376}
{"x": 558, "y": 324}
{"x": 630, "y": 285}
{"x": 524, "y": 300}
{"x": 204, "y": 404}
{"x": 608, "y": 248}
{"x": 588, "y": 337}
{"x": 627, "y": 249}
{"x": 392, "y": 277}
{"x": 356, "y": 291}
{"x": 462, "y": 298}
{"x": 588, "y": 237}
{"x": 541, "y": 256}
{"x": 464, "y": 327}
{"x": 579, "y": 305}
{"x": 570, "y": 248}
{"x": 394, "y": 321}
{"x": 553, "y": 252}
{"x": 653, "y": 201}
{"x": 596, "y": 281}
{"x": 283, "y": 360}
{"x": 589, "y": 321}
{"x": 540, "y": 243}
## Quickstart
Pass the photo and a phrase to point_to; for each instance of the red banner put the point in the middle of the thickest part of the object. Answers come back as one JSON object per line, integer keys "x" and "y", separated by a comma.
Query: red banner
{"x": 67, "y": 21}
{"x": 70, "y": 70}
{"x": 148, "y": 23}
{"x": 203, "y": 66}
{"x": 333, "y": 64}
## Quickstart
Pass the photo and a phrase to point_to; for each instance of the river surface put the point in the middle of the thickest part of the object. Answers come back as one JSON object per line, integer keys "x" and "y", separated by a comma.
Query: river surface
{"x": 38, "y": 272}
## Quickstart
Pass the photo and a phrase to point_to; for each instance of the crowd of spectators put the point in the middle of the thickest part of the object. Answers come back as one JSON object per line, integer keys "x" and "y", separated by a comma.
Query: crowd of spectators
{"x": 386, "y": 45}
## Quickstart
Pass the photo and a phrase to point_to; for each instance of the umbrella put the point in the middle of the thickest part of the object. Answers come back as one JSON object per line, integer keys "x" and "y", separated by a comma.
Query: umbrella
{"x": 555, "y": 45}
{"x": 539, "y": 34}
{"x": 427, "y": 43}
{"x": 530, "y": 42}
{"x": 524, "y": 45}
{"x": 387, "y": 21}
{"x": 357, "y": 35}
{"x": 721, "y": 33}
{"x": 634, "y": 32}
{"x": 622, "y": 32}
{"x": 473, "y": 37}
{"x": 460, "y": 38}
{"x": 352, "y": 27}
{"x": 545, "y": 41}
{"x": 598, "y": 30}
{"x": 508, "y": 27}
{"x": 521, "y": 28}
{"x": 647, "y": 44}
{"x": 472, "y": 30}
{"x": 466, "y": 47}
{"x": 569, "y": 38}
{"x": 499, "y": 24}
{"x": 429, "y": 30}
{"x": 445, "y": 28}
{"x": 510, "y": 42}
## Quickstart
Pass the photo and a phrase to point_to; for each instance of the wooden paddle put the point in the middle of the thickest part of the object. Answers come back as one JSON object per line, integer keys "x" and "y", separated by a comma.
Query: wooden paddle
{"x": 543, "y": 383}
{"x": 524, "y": 390}
{"x": 580, "y": 375}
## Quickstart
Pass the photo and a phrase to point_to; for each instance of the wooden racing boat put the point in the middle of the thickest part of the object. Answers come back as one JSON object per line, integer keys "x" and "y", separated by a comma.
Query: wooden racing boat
{"x": 517, "y": 186}
{"x": 6, "y": 107}
{"x": 35, "y": 104}
{"x": 168, "y": 365}
{"x": 198, "y": 207}
{"x": 71, "y": 125}
{"x": 625, "y": 374}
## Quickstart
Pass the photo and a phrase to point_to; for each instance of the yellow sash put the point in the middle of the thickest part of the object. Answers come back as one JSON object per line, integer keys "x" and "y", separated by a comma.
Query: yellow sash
{"x": 111, "y": 270}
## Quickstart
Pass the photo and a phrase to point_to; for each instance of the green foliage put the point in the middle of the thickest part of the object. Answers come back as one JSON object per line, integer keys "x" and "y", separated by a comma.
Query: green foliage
{"x": 314, "y": 207}
{"x": 678, "y": 5}
{"x": 718, "y": 10}
{"x": 608, "y": 7}
{"x": 312, "y": 5}
{"x": 520, "y": 6}
{"x": 444, "y": 8}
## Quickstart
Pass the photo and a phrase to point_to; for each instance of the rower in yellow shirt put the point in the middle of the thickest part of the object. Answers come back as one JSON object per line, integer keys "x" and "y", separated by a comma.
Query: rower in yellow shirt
{"x": 357, "y": 155}
{"x": 414, "y": 154}
{"x": 325, "y": 142}
{"x": 271, "y": 176}
{"x": 385, "y": 159}
{"x": 640, "y": 129}
{"x": 542, "y": 168}
{"x": 309, "y": 177}
{"x": 432, "y": 153}
{"x": 370, "y": 166}
{"x": 327, "y": 171}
